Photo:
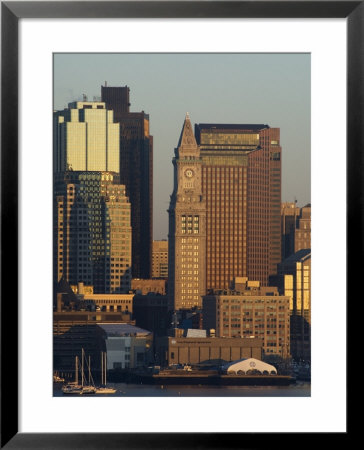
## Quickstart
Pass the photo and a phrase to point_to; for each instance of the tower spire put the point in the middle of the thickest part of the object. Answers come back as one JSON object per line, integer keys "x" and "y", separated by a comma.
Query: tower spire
{"x": 187, "y": 138}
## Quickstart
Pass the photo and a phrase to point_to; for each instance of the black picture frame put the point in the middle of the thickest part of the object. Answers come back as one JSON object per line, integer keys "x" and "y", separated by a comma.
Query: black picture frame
{"x": 11, "y": 12}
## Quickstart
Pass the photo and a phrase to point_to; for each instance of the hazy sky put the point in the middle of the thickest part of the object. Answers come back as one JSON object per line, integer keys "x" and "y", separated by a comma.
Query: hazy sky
{"x": 272, "y": 89}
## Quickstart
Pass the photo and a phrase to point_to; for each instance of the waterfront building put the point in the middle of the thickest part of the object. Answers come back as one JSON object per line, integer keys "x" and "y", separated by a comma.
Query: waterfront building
{"x": 294, "y": 281}
{"x": 296, "y": 228}
{"x": 187, "y": 225}
{"x": 144, "y": 287}
{"x": 92, "y": 232}
{"x": 206, "y": 351}
{"x": 74, "y": 331}
{"x": 136, "y": 173}
{"x": 252, "y": 311}
{"x": 85, "y": 138}
{"x": 127, "y": 346}
{"x": 160, "y": 259}
{"x": 241, "y": 186}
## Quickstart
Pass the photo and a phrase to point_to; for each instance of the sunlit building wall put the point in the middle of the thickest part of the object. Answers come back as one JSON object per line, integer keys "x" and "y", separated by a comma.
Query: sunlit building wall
{"x": 187, "y": 225}
{"x": 92, "y": 231}
{"x": 252, "y": 312}
{"x": 86, "y": 138}
{"x": 295, "y": 276}
{"x": 241, "y": 184}
{"x": 160, "y": 259}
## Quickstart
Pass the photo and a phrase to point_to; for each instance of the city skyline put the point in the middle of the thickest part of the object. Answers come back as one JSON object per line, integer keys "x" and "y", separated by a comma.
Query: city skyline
{"x": 273, "y": 89}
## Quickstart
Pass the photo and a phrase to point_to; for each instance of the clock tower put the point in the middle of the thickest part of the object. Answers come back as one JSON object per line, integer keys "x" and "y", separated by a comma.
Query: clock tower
{"x": 187, "y": 225}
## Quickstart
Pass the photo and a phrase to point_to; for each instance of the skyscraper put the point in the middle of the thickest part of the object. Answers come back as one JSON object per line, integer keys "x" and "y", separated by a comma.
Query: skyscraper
{"x": 296, "y": 228}
{"x": 294, "y": 280}
{"x": 92, "y": 233}
{"x": 187, "y": 225}
{"x": 136, "y": 173}
{"x": 85, "y": 138}
{"x": 241, "y": 183}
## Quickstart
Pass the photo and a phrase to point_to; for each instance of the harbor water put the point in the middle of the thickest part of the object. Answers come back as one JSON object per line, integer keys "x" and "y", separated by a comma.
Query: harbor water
{"x": 298, "y": 389}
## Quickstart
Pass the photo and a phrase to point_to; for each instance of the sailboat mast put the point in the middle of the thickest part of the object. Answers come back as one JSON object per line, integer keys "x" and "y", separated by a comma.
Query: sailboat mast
{"x": 102, "y": 369}
{"x": 105, "y": 367}
{"x": 89, "y": 370}
{"x": 82, "y": 373}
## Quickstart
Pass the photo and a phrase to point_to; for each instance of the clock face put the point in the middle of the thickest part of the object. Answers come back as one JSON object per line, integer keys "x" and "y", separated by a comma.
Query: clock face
{"x": 189, "y": 173}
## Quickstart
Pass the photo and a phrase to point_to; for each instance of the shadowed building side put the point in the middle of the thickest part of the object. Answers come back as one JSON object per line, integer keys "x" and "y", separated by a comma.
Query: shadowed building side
{"x": 136, "y": 173}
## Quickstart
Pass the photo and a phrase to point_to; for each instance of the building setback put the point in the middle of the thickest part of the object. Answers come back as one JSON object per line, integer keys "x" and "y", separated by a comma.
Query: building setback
{"x": 85, "y": 138}
{"x": 136, "y": 173}
{"x": 241, "y": 184}
{"x": 187, "y": 225}
{"x": 92, "y": 233}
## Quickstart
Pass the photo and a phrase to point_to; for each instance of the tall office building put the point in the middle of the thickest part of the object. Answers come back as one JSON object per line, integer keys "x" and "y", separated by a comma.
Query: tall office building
{"x": 294, "y": 281}
{"x": 160, "y": 259}
{"x": 241, "y": 183}
{"x": 85, "y": 138}
{"x": 92, "y": 233}
{"x": 187, "y": 225}
{"x": 136, "y": 173}
{"x": 296, "y": 228}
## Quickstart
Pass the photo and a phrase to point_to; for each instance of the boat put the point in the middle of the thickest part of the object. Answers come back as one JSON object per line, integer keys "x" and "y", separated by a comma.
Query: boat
{"x": 57, "y": 378}
{"x": 104, "y": 389}
{"x": 73, "y": 388}
{"x": 76, "y": 388}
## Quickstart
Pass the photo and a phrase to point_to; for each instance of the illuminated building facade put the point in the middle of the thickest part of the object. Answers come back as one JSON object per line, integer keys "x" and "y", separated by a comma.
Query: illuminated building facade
{"x": 187, "y": 225}
{"x": 294, "y": 281}
{"x": 160, "y": 259}
{"x": 85, "y": 138}
{"x": 92, "y": 232}
{"x": 241, "y": 184}
{"x": 253, "y": 311}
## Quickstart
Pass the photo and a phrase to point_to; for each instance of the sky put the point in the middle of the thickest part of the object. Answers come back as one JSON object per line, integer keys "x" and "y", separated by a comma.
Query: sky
{"x": 272, "y": 89}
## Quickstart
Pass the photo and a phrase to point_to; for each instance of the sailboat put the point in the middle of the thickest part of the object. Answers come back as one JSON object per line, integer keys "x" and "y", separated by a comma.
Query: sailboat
{"x": 103, "y": 389}
{"x": 73, "y": 388}
{"x": 83, "y": 388}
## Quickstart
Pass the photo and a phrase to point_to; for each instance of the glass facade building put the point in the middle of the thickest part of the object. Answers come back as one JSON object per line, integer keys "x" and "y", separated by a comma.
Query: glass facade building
{"x": 85, "y": 138}
{"x": 92, "y": 232}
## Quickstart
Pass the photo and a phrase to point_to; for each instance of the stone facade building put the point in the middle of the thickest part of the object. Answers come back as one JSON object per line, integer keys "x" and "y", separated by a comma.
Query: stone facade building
{"x": 187, "y": 225}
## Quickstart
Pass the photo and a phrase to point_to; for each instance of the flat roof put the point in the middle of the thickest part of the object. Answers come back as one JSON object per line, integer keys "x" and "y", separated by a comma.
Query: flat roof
{"x": 122, "y": 329}
{"x": 229, "y": 126}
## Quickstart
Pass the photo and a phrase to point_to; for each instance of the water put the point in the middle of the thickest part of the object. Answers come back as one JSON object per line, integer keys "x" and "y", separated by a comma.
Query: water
{"x": 299, "y": 389}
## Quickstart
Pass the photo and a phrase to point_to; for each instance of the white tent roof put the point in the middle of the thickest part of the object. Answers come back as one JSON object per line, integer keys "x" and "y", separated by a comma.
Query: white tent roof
{"x": 249, "y": 364}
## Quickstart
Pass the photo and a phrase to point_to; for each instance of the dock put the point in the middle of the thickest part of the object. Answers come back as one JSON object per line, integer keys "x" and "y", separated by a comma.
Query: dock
{"x": 212, "y": 378}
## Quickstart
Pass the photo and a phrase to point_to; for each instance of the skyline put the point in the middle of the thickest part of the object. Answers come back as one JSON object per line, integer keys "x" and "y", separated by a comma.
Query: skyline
{"x": 273, "y": 89}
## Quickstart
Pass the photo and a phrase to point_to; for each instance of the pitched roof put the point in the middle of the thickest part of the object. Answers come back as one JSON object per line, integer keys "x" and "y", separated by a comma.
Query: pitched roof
{"x": 187, "y": 138}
